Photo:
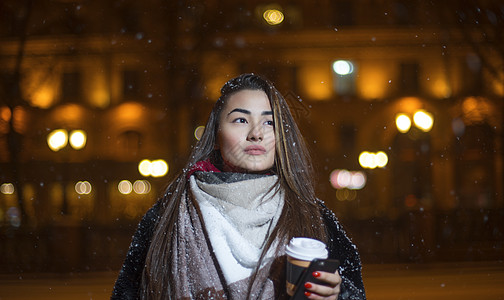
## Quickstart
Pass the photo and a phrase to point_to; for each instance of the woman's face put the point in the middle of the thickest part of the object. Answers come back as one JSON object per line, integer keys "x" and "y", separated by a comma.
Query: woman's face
{"x": 246, "y": 136}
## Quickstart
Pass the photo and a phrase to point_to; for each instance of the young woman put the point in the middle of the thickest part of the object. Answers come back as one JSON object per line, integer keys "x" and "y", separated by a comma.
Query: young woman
{"x": 221, "y": 228}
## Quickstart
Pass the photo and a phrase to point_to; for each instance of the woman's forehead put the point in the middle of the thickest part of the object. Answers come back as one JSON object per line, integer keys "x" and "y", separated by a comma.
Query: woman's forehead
{"x": 253, "y": 100}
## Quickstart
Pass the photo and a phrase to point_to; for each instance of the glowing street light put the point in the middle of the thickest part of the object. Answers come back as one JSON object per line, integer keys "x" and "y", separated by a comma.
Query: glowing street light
{"x": 403, "y": 123}
{"x": 141, "y": 187}
{"x": 344, "y": 179}
{"x": 125, "y": 187}
{"x": 155, "y": 168}
{"x": 423, "y": 120}
{"x": 370, "y": 160}
{"x": 83, "y": 188}
{"x": 144, "y": 167}
{"x": 342, "y": 67}
{"x": 381, "y": 159}
{"x": 7, "y": 188}
{"x": 78, "y": 139}
{"x": 57, "y": 139}
{"x": 273, "y": 16}
{"x": 159, "y": 168}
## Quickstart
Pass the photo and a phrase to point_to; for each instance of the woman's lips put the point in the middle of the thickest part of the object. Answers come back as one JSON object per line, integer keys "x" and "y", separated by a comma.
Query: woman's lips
{"x": 255, "y": 150}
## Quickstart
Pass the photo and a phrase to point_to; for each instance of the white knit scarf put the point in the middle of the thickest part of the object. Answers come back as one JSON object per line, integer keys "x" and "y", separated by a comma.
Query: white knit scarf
{"x": 238, "y": 215}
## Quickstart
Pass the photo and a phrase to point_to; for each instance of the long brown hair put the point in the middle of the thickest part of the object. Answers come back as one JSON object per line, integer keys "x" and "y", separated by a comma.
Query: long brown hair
{"x": 292, "y": 165}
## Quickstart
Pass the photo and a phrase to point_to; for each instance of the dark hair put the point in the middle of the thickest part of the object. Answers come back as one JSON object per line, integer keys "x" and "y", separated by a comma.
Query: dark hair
{"x": 292, "y": 165}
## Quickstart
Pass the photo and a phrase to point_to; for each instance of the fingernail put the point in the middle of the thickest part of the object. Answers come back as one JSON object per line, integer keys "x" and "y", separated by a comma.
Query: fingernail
{"x": 316, "y": 274}
{"x": 308, "y": 285}
{"x": 307, "y": 294}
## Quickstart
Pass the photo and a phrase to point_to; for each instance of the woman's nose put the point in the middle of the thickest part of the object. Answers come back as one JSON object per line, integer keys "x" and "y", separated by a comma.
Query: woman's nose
{"x": 255, "y": 134}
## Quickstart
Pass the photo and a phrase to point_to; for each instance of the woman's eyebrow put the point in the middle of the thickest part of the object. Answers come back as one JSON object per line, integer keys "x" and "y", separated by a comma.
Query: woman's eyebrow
{"x": 241, "y": 110}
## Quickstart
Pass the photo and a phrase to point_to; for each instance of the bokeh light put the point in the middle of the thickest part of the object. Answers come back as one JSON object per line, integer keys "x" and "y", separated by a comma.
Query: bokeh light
{"x": 7, "y": 188}
{"x": 344, "y": 179}
{"x": 342, "y": 67}
{"x": 403, "y": 123}
{"x": 142, "y": 187}
{"x": 159, "y": 168}
{"x": 273, "y": 16}
{"x": 125, "y": 187}
{"x": 366, "y": 160}
{"x": 423, "y": 120}
{"x": 144, "y": 167}
{"x": 155, "y": 168}
{"x": 370, "y": 160}
{"x": 83, "y": 188}
{"x": 57, "y": 139}
{"x": 14, "y": 216}
{"x": 381, "y": 159}
{"x": 358, "y": 180}
{"x": 78, "y": 139}
{"x": 198, "y": 132}
{"x": 346, "y": 195}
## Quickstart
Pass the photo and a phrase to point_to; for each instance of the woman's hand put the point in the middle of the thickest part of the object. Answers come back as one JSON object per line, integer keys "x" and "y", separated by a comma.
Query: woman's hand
{"x": 317, "y": 291}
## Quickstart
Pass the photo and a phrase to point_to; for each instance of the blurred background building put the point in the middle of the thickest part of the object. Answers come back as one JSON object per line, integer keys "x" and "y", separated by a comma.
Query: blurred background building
{"x": 400, "y": 101}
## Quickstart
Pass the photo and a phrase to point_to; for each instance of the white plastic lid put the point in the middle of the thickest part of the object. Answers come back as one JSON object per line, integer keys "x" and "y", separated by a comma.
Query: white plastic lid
{"x": 306, "y": 249}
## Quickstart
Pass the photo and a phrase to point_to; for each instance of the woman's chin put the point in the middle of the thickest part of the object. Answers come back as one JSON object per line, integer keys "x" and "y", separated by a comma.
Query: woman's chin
{"x": 249, "y": 168}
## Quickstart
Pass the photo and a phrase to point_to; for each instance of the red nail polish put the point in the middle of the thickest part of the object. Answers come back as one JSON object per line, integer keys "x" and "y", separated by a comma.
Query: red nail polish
{"x": 316, "y": 274}
{"x": 308, "y": 285}
{"x": 307, "y": 294}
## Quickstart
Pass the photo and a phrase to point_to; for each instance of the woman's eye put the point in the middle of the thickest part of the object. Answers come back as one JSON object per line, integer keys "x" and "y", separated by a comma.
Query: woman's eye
{"x": 239, "y": 120}
{"x": 269, "y": 123}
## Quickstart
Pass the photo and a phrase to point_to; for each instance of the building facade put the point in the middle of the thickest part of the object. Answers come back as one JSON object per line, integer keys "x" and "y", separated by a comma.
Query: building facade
{"x": 138, "y": 79}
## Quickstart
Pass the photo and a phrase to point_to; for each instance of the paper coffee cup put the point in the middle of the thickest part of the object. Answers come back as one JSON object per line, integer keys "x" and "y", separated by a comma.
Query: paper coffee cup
{"x": 300, "y": 252}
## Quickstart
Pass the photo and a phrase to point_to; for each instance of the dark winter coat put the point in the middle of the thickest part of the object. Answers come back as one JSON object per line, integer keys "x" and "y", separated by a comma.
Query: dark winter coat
{"x": 340, "y": 247}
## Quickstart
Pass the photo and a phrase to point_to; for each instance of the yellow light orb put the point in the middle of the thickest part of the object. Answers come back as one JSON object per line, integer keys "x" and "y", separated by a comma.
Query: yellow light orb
{"x": 125, "y": 187}
{"x": 198, "y": 132}
{"x": 342, "y": 67}
{"x": 381, "y": 159}
{"x": 7, "y": 188}
{"x": 78, "y": 139}
{"x": 366, "y": 160}
{"x": 145, "y": 167}
{"x": 403, "y": 123}
{"x": 159, "y": 168}
{"x": 273, "y": 16}
{"x": 57, "y": 139}
{"x": 142, "y": 186}
{"x": 423, "y": 120}
{"x": 83, "y": 188}
{"x": 358, "y": 180}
